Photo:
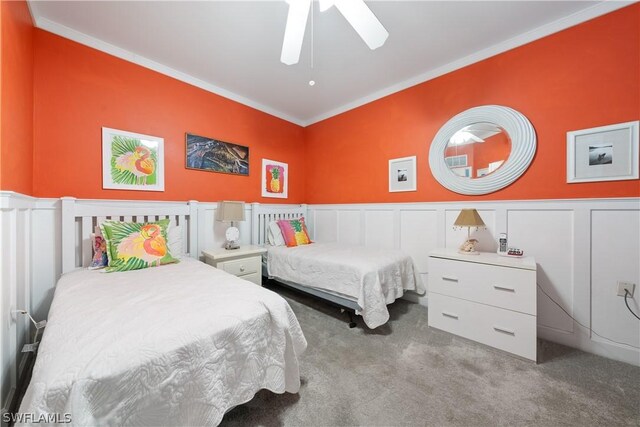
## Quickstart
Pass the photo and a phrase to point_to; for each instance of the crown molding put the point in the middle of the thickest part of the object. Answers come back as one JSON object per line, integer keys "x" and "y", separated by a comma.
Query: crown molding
{"x": 522, "y": 39}
{"x": 579, "y": 17}
{"x": 84, "y": 39}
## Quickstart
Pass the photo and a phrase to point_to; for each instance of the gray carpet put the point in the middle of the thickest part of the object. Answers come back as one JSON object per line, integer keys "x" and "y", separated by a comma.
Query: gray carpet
{"x": 405, "y": 373}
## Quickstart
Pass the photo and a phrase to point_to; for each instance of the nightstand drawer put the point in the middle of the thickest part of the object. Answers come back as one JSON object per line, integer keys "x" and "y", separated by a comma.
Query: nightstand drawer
{"x": 505, "y": 287}
{"x": 253, "y": 277}
{"x": 496, "y": 327}
{"x": 242, "y": 267}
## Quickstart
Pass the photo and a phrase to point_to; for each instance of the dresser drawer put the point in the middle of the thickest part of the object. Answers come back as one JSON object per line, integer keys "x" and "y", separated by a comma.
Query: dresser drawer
{"x": 505, "y": 287}
{"x": 496, "y": 327}
{"x": 241, "y": 267}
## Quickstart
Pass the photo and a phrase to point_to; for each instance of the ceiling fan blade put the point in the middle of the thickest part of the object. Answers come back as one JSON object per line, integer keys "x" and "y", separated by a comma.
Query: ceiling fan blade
{"x": 294, "y": 31}
{"x": 475, "y": 138}
{"x": 363, "y": 21}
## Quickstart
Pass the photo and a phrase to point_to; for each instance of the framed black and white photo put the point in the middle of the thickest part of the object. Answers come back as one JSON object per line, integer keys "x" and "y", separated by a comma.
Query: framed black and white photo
{"x": 402, "y": 174}
{"x": 606, "y": 153}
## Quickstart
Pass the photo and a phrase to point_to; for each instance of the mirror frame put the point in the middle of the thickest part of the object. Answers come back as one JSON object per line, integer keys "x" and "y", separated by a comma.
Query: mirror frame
{"x": 523, "y": 148}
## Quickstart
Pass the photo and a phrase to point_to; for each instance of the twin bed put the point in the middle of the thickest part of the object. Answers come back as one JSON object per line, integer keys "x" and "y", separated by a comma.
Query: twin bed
{"x": 179, "y": 344}
{"x": 364, "y": 280}
{"x": 361, "y": 279}
{"x": 185, "y": 343}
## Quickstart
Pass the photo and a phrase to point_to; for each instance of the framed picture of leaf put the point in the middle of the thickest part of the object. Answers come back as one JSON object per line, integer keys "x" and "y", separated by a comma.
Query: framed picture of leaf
{"x": 132, "y": 161}
{"x": 212, "y": 155}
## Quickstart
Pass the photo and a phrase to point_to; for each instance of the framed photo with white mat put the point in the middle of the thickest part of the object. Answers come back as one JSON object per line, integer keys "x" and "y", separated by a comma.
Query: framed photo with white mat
{"x": 402, "y": 174}
{"x": 606, "y": 153}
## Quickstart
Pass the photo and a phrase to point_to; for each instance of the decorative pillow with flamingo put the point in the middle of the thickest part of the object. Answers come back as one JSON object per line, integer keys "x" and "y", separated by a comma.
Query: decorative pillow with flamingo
{"x": 294, "y": 232}
{"x": 99, "y": 245}
{"x": 132, "y": 246}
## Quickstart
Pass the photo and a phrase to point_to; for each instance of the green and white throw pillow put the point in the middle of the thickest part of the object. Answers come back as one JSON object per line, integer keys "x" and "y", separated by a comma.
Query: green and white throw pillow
{"x": 132, "y": 246}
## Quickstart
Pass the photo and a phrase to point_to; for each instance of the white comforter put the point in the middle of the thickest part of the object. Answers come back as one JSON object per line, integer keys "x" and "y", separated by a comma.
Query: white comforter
{"x": 172, "y": 345}
{"x": 372, "y": 277}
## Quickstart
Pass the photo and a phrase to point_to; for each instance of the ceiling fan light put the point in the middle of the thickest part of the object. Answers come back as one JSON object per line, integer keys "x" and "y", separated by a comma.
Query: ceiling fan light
{"x": 294, "y": 31}
{"x": 362, "y": 19}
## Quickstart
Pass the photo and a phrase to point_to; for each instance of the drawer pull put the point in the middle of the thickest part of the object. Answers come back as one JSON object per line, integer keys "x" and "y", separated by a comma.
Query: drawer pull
{"x": 242, "y": 268}
{"x": 504, "y": 288}
{"x": 450, "y": 278}
{"x": 504, "y": 330}
{"x": 451, "y": 315}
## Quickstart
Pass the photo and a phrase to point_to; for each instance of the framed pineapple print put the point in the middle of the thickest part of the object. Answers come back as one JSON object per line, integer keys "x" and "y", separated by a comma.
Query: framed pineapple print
{"x": 275, "y": 176}
{"x": 132, "y": 161}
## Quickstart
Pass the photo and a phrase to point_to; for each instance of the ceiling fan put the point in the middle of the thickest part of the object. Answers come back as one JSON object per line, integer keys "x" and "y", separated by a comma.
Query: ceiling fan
{"x": 356, "y": 12}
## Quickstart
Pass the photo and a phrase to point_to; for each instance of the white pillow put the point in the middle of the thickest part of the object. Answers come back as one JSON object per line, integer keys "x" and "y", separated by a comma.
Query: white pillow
{"x": 174, "y": 235}
{"x": 274, "y": 234}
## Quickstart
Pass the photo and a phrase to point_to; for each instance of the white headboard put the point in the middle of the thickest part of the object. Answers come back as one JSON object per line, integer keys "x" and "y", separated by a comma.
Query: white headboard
{"x": 262, "y": 215}
{"x": 80, "y": 217}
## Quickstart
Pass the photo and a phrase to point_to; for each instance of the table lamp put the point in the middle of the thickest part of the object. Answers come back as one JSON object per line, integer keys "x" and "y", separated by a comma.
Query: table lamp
{"x": 469, "y": 218}
{"x": 229, "y": 212}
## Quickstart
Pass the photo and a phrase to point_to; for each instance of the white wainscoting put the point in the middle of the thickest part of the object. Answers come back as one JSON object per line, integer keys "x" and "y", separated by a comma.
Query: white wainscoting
{"x": 211, "y": 233}
{"x": 582, "y": 248}
{"x": 15, "y": 276}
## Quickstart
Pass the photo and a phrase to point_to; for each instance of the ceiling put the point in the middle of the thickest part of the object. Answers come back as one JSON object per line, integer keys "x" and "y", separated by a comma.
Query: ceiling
{"x": 233, "y": 47}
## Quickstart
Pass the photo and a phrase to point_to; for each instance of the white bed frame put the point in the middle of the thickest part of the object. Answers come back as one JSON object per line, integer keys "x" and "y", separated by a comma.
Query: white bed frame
{"x": 80, "y": 217}
{"x": 261, "y": 216}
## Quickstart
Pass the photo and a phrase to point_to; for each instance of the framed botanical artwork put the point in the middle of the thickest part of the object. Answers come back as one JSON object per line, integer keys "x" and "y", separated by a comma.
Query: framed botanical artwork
{"x": 402, "y": 174}
{"x": 606, "y": 153}
{"x": 212, "y": 155}
{"x": 275, "y": 176}
{"x": 132, "y": 161}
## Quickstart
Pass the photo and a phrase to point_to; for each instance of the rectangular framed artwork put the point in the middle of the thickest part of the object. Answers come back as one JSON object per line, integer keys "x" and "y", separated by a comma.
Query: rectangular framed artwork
{"x": 132, "y": 161}
{"x": 275, "y": 177}
{"x": 402, "y": 174}
{"x": 606, "y": 153}
{"x": 212, "y": 155}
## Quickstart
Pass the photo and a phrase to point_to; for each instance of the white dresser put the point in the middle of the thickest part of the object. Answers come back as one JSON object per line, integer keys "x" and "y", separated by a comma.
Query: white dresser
{"x": 244, "y": 262}
{"x": 486, "y": 298}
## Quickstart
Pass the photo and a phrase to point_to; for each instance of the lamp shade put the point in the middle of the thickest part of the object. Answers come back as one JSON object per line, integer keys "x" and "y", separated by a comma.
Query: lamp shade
{"x": 469, "y": 218}
{"x": 230, "y": 211}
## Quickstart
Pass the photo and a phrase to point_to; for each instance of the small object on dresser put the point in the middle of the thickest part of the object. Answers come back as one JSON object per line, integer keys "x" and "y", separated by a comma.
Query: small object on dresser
{"x": 515, "y": 252}
{"x": 502, "y": 244}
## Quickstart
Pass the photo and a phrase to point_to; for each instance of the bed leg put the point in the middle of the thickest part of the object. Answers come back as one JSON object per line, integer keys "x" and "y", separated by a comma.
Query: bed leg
{"x": 352, "y": 323}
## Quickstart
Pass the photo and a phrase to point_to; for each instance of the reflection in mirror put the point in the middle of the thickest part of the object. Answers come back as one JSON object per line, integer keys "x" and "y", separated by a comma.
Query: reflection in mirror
{"x": 477, "y": 150}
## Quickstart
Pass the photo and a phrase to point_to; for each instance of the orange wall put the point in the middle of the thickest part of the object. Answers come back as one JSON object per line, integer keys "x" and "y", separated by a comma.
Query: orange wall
{"x": 16, "y": 97}
{"x": 78, "y": 90}
{"x": 582, "y": 77}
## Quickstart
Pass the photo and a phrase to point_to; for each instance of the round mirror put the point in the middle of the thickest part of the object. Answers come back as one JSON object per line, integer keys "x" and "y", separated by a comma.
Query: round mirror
{"x": 482, "y": 150}
{"x": 477, "y": 150}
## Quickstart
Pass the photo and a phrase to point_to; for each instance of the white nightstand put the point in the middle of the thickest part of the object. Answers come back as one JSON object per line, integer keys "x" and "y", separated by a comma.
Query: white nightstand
{"x": 245, "y": 262}
{"x": 486, "y": 298}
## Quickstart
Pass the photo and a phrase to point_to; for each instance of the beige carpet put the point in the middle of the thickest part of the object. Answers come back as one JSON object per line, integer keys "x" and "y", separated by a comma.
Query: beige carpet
{"x": 405, "y": 373}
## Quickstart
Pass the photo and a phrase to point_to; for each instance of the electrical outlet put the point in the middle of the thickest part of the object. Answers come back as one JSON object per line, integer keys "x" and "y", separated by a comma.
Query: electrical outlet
{"x": 626, "y": 286}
